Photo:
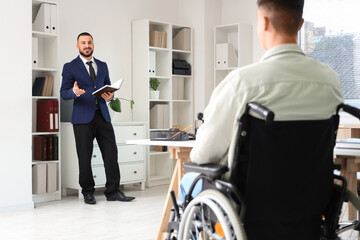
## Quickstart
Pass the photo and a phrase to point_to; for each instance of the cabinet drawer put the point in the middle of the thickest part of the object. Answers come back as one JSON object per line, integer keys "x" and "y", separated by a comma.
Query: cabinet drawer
{"x": 123, "y": 133}
{"x": 131, "y": 172}
{"x": 99, "y": 175}
{"x": 96, "y": 158}
{"x": 130, "y": 153}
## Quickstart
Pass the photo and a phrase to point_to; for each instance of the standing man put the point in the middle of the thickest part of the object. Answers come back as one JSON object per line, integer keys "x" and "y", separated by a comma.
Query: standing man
{"x": 91, "y": 119}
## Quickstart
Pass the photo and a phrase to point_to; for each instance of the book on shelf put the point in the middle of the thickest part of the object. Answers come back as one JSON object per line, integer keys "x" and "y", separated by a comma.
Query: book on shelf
{"x": 48, "y": 86}
{"x": 38, "y": 86}
{"x": 109, "y": 88}
{"x": 45, "y": 148}
{"x": 43, "y": 86}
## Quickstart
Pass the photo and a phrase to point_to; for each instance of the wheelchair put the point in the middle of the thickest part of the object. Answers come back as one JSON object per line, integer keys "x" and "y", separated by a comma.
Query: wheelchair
{"x": 282, "y": 185}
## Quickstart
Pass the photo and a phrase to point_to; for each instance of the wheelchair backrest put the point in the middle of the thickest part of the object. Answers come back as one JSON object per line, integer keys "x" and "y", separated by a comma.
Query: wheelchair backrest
{"x": 279, "y": 164}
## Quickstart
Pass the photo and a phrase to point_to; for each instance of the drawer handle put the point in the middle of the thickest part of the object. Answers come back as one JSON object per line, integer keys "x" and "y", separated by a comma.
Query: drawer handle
{"x": 135, "y": 172}
{"x": 135, "y": 153}
{"x": 94, "y": 176}
{"x": 135, "y": 134}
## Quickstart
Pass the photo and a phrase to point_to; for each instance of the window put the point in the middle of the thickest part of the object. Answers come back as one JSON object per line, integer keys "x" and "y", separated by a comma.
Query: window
{"x": 331, "y": 34}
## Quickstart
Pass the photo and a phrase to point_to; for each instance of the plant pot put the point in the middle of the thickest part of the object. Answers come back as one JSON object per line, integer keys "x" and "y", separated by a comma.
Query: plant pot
{"x": 154, "y": 95}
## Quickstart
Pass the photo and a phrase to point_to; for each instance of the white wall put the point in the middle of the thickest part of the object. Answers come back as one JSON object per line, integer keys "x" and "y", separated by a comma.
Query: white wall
{"x": 243, "y": 11}
{"x": 110, "y": 24}
{"x": 15, "y": 105}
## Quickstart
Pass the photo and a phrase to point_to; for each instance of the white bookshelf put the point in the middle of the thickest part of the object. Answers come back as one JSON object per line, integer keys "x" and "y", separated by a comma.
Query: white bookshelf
{"x": 46, "y": 55}
{"x": 239, "y": 36}
{"x": 159, "y": 167}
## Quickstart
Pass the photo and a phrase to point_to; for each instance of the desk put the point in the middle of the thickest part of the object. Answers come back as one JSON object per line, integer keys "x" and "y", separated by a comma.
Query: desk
{"x": 179, "y": 150}
{"x": 350, "y": 165}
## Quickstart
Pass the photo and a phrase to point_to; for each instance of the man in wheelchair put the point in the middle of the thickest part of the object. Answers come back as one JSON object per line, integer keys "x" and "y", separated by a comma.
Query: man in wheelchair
{"x": 283, "y": 167}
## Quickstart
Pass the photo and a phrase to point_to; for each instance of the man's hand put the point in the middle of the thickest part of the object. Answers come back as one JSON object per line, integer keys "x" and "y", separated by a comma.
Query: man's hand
{"x": 77, "y": 90}
{"x": 107, "y": 95}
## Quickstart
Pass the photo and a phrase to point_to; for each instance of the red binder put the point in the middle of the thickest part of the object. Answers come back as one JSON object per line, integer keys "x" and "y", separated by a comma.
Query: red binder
{"x": 47, "y": 116}
{"x": 56, "y": 115}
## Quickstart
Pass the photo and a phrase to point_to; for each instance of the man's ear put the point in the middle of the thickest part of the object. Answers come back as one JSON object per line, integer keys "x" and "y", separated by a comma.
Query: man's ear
{"x": 302, "y": 22}
{"x": 266, "y": 23}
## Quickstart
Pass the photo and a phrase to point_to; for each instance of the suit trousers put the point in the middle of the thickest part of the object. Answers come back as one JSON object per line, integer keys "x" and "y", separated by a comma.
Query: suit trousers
{"x": 103, "y": 132}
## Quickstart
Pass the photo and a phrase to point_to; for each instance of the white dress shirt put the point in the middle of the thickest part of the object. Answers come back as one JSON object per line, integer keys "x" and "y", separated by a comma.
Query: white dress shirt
{"x": 293, "y": 86}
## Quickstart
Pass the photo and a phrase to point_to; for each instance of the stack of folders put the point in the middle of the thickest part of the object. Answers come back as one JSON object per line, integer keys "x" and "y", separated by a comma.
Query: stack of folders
{"x": 45, "y": 148}
{"x": 43, "y": 86}
{"x": 47, "y": 116}
{"x": 348, "y": 143}
{"x": 44, "y": 178}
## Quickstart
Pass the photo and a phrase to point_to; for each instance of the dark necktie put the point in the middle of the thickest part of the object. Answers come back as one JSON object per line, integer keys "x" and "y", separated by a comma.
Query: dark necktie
{"x": 93, "y": 77}
{"x": 92, "y": 71}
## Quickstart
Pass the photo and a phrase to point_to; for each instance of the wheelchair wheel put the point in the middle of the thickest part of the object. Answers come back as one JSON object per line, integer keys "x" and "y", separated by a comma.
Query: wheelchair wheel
{"x": 211, "y": 216}
{"x": 347, "y": 226}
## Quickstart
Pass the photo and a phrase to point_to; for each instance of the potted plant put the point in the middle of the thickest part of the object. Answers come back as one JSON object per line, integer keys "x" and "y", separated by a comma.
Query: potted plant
{"x": 154, "y": 84}
{"x": 115, "y": 104}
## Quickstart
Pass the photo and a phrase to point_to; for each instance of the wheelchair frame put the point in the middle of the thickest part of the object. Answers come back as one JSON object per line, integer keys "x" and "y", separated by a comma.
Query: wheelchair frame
{"x": 228, "y": 199}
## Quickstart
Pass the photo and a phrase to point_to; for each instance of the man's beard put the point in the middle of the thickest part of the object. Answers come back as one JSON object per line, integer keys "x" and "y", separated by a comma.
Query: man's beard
{"x": 86, "y": 55}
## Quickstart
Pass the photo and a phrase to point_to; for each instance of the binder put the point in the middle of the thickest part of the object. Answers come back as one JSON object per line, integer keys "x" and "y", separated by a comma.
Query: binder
{"x": 35, "y": 52}
{"x": 160, "y": 116}
{"x": 45, "y": 116}
{"x": 39, "y": 178}
{"x": 53, "y": 19}
{"x": 226, "y": 56}
{"x": 42, "y": 20}
{"x": 38, "y": 148}
{"x": 55, "y": 147}
{"x": 38, "y": 86}
{"x": 51, "y": 177}
{"x": 178, "y": 88}
{"x": 50, "y": 147}
{"x": 157, "y": 117}
{"x": 152, "y": 63}
{"x": 56, "y": 115}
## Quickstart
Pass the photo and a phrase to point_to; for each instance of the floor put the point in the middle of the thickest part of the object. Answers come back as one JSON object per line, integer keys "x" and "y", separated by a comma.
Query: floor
{"x": 71, "y": 219}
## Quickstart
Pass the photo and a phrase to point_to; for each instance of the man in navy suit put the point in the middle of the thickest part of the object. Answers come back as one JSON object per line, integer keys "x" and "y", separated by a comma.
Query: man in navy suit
{"x": 91, "y": 119}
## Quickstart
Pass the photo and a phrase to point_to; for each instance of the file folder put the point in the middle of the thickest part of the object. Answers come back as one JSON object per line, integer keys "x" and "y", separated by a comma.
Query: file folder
{"x": 152, "y": 63}
{"x": 42, "y": 20}
{"x": 39, "y": 178}
{"x": 53, "y": 19}
{"x": 47, "y": 117}
{"x": 35, "y": 52}
{"x": 51, "y": 177}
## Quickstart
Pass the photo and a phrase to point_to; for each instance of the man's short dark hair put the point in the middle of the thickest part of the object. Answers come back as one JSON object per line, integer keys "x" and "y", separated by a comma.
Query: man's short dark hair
{"x": 84, "y": 34}
{"x": 284, "y": 15}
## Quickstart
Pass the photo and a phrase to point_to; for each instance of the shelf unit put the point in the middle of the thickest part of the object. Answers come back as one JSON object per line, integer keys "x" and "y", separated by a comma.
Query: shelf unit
{"x": 180, "y": 114}
{"x": 239, "y": 36}
{"x": 45, "y": 63}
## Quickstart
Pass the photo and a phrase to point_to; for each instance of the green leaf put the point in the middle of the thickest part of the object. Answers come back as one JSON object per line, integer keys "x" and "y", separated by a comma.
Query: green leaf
{"x": 132, "y": 104}
{"x": 115, "y": 105}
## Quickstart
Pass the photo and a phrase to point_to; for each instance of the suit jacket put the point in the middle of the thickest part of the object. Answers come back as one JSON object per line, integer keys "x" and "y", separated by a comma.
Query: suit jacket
{"x": 85, "y": 105}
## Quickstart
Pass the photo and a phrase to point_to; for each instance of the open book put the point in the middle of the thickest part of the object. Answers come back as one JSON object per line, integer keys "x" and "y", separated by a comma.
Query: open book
{"x": 109, "y": 88}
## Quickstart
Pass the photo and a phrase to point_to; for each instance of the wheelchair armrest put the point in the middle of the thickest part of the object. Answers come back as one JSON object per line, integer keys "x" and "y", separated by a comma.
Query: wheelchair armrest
{"x": 212, "y": 170}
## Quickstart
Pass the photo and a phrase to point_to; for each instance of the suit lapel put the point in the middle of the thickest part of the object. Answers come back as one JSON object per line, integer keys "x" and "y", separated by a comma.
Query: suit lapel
{"x": 99, "y": 69}
{"x": 81, "y": 65}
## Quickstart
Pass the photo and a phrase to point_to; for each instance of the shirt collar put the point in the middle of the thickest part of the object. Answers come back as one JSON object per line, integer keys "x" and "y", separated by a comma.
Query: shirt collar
{"x": 85, "y": 60}
{"x": 284, "y": 48}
